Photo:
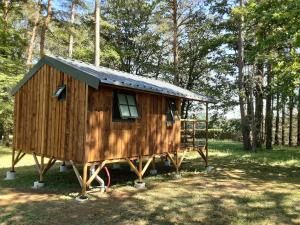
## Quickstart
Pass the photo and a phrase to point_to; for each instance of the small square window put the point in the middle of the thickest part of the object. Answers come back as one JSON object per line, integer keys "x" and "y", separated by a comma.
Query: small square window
{"x": 60, "y": 92}
{"x": 172, "y": 112}
{"x": 124, "y": 106}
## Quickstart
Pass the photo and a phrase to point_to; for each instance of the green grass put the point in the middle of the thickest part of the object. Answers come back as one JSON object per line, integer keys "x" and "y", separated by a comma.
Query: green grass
{"x": 243, "y": 188}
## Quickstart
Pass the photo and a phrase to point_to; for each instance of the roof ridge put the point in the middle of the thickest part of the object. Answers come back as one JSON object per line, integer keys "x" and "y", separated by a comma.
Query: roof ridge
{"x": 108, "y": 68}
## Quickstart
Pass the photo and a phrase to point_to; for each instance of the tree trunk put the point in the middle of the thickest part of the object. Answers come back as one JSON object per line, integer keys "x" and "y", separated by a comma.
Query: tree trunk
{"x": 276, "y": 142}
{"x": 38, "y": 8}
{"x": 283, "y": 122}
{"x": 291, "y": 108}
{"x": 252, "y": 115}
{"x": 5, "y": 13}
{"x": 298, "y": 129}
{"x": 244, "y": 121}
{"x": 175, "y": 41}
{"x": 72, "y": 19}
{"x": 5, "y": 25}
{"x": 5, "y": 140}
{"x": 269, "y": 110}
{"x": 45, "y": 28}
{"x": 259, "y": 104}
{"x": 97, "y": 33}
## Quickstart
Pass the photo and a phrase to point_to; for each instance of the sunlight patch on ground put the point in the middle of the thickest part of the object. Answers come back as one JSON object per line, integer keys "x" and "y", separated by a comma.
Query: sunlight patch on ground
{"x": 241, "y": 189}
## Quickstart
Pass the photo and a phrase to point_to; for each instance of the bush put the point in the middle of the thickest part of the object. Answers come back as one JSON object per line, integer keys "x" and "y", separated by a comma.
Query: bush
{"x": 218, "y": 134}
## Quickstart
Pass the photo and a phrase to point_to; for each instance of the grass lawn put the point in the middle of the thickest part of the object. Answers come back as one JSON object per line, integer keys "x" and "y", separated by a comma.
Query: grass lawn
{"x": 260, "y": 188}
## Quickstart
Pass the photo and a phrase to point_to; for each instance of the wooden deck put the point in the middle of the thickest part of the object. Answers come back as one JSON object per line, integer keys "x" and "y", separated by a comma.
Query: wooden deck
{"x": 194, "y": 136}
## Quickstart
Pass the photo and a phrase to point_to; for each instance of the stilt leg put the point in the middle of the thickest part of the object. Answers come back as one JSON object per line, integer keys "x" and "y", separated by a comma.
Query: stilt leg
{"x": 42, "y": 166}
{"x": 84, "y": 180}
{"x": 176, "y": 161}
{"x": 140, "y": 168}
{"x": 140, "y": 171}
{"x": 13, "y": 161}
{"x": 11, "y": 175}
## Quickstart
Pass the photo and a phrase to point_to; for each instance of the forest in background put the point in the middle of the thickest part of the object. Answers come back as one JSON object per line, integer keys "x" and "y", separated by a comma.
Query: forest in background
{"x": 244, "y": 53}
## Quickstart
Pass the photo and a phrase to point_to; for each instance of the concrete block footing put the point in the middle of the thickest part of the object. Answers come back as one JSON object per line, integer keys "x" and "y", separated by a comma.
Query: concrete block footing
{"x": 176, "y": 176}
{"x": 63, "y": 168}
{"x": 38, "y": 184}
{"x": 82, "y": 198}
{"x": 139, "y": 185}
{"x": 209, "y": 169}
{"x": 167, "y": 163}
{"x": 153, "y": 172}
{"x": 10, "y": 175}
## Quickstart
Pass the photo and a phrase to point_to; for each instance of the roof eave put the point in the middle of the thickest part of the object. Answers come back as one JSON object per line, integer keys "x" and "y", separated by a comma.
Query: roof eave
{"x": 46, "y": 60}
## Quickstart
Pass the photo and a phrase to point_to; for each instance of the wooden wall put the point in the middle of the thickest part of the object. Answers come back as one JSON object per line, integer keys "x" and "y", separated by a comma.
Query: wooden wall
{"x": 44, "y": 125}
{"x": 114, "y": 140}
{"x": 80, "y": 128}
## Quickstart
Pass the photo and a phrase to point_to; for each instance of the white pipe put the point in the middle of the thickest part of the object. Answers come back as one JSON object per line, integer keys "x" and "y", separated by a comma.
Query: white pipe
{"x": 98, "y": 179}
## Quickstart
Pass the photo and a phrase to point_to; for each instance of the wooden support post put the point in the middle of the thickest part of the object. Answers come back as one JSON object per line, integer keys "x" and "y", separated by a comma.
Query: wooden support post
{"x": 42, "y": 166}
{"x": 50, "y": 163}
{"x": 37, "y": 164}
{"x": 146, "y": 166}
{"x": 181, "y": 159}
{"x": 90, "y": 180}
{"x": 140, "y": 171}
{"x": 13, "y": 161}
{"x": 16, "y": 159}
{"x": 200, "y": 151}
{"x": 172, "y": 160}
{"x": 132, "y": 166}
{"x": 84, "y": 179}
{"x": 176, "y": 161}
{"x": 140, "y": 168}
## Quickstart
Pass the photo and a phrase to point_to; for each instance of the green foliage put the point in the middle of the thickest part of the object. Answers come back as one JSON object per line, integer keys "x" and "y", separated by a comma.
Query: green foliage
{"x": 6, "y": 102}
{"x": 130, "y": 35}
{"x": 136, "y": 36}
{"x": 219, "y": 134}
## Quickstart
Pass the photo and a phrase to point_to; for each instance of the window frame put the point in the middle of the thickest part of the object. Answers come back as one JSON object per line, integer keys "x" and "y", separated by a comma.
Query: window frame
{"x": 116, "y": 100}
{"x": 60, "y": 92}
{"x": 171, "y": 111}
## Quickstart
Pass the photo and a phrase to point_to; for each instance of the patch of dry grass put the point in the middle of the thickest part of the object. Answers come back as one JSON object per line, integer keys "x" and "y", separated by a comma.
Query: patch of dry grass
{"x": 243, "y": 188}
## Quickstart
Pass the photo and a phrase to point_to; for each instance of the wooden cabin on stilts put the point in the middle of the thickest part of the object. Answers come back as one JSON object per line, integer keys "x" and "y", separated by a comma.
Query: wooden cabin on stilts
{"x": 93, "y": 116}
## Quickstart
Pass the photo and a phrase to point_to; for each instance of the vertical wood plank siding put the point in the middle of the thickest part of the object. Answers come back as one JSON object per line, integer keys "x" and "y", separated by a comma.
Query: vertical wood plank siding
{"x": 80, "y": 128}
{"x": 115, "y": 140}
{"x": 44, "y": 125}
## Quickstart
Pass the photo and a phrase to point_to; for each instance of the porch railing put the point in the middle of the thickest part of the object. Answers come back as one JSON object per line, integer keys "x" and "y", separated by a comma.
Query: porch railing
{"x": 193, "y": 133}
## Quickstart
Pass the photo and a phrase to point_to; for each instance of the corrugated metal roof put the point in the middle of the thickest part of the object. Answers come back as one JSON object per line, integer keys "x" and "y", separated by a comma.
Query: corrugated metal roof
{"x": 94, "y": 76}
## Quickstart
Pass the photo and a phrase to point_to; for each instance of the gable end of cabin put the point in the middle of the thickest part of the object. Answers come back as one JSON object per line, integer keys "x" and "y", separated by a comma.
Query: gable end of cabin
{"x": 50, "y": 120}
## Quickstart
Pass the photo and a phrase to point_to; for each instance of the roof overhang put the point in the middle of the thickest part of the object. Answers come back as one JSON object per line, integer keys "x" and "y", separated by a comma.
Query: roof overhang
{"x": 93, "y": 76}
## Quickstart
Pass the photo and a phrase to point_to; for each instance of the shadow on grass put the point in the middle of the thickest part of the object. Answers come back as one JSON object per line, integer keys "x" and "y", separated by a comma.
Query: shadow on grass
{"x": 147, "y": 207}
{"x": 57, "y": 182}
{"x": 224, "y": 196}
